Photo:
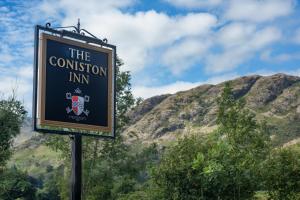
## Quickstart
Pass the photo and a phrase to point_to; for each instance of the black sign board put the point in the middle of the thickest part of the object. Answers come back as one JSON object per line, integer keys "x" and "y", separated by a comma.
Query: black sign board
{"x": 75, "y": 85}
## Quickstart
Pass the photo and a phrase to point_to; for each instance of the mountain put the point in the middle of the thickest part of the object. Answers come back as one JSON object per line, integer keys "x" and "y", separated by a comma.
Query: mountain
{"x": 275, "y": 99}
{"x": 163, "y": 119}
{"x": 31, "y": 154}
{"x": 26, "y": 132}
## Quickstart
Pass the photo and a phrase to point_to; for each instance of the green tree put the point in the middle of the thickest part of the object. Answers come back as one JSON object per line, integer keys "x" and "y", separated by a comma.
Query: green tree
{"x": 124, "y": 97}
{"x": 282, "y": 174}
{"x": 242, "y": 146}
{"x": 111, "y": 168}
{"x": 12, "y": 114}
{"x": 50, "y": 187}
{"x": 239, "y": 126}
{"x": 15, "y": 184}
{"x": 225, "y": 165}
{"x": 175, "y": 177}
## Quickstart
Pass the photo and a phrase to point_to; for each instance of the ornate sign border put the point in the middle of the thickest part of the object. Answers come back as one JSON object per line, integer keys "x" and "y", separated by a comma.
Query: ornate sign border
{"x": 39, "y": 82}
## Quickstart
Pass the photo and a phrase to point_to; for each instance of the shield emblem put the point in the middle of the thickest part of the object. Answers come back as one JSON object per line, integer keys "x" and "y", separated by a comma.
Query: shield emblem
{"x": 77, "y": 104}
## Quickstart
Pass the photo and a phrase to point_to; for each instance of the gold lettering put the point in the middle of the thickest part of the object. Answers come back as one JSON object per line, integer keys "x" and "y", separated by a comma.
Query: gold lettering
{"x": 72, "y": 52}
{"x": 85, "y": 78}
{"x": 95, "y": 69}
{"x": 81, "y": 66}
{"x": 79, "y": 54}
{"x": 77, "y": 77}
{"x": 87, "y": 56}
{"x": 61, "y": 62}
{"x": 70, "y": 63}
{"x": 70, "y": 77}
{"x": 103, "y": 71}
{"x": 88, "y": 68}
{"x": 51, "y": 60}
{"x": 75, "y": 65}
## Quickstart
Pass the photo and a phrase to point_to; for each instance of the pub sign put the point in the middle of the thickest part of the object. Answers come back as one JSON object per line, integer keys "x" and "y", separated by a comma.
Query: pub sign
{"x": 75, "y": 85}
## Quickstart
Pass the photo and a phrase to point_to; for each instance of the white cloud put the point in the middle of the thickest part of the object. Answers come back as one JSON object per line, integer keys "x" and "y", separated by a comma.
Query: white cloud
{"x": 87, "y": 5}
{"x": 239, "y": 42}
{"x": 221, "y": 78}
{"x": 6, "y": 57}
{"x": 136, "y": 34}
{"x": 294, "y": 72}
{"x": 53, "y": 9}
{"x": 183, "y": 55}
{"x": 16, "y": 50}
{"x": 147, "y": 37}
{"x": 146, "y": 92}
{"x": 192, "y": 4}
{"x": 6, "y": 53}
{"x": 297, "y": 36}
{"x": 25, "y": 72}
{"x": 235, "y": 34}
{"x": 140, "y": 33}
{"x": 264, "y": 37}
{"x": 283, "y": 57}
{"x": 226, "y": 61}
{"x": 18, "y": 80}
{"x": 264, "y": 72}
{"x": 258, "y": 10}
{"x": 20, "y": 86}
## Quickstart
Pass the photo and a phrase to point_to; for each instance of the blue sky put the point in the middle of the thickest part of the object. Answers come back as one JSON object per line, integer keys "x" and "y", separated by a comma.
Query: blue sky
{"x": 168, "y": 45}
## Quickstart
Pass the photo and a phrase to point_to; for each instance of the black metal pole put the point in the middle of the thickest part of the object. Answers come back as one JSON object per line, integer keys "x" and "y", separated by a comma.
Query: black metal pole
{"x": 76, "y": 167}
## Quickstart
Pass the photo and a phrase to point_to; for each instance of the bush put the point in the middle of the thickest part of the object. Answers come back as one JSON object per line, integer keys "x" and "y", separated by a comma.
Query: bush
{"x": 282, "y": 174}
{"x": 15, "y": 184}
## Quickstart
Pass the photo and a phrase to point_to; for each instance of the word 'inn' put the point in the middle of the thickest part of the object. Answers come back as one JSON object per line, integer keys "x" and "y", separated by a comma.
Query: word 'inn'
{"x": 82, "y": 65}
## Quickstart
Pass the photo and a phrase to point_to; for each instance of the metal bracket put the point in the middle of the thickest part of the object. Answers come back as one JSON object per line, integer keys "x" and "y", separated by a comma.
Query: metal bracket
{"x": 76, "y": 29}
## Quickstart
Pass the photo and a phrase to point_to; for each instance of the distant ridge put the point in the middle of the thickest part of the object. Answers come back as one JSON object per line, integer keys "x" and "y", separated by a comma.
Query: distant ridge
{"x": 164, "y": 118}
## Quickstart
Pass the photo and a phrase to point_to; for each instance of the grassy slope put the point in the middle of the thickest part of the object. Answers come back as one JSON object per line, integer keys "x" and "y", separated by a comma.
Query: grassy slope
{"x": 36, "y": 161}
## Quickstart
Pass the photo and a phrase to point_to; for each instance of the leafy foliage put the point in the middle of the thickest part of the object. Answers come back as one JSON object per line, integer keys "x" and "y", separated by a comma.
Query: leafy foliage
{"x": 225, "y": 165}
{"x": 50, "y": 188}
{"x": 233, "y": 162}
{"x": 12, "y": 114}
{"x": 124, "y": 97}
{"x": 15, "y": 184}
{"x": 282, "y": 174}
{"x": 111, "y": 168}
{"x": 175, "y": 177}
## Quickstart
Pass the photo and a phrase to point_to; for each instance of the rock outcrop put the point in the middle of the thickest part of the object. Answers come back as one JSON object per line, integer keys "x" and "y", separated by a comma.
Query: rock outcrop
{"x": 275, "y": 99}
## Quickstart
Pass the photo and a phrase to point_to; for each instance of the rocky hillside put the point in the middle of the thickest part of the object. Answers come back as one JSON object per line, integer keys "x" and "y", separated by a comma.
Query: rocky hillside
{"x": 275, "y": 99}
{"x": 164, "y": 118}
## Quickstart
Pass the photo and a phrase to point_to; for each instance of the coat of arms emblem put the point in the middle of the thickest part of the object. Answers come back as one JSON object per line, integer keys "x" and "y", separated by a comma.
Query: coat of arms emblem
{"x": 77, "y": 103}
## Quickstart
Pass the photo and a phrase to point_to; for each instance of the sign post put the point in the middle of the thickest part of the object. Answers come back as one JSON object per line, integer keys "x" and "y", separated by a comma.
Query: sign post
{"x": 76, "y": 172}
{"x": 73, "y": 89}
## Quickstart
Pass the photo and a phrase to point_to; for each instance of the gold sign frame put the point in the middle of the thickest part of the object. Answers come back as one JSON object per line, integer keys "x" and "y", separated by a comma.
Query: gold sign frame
{"x": 41, "y": 88}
